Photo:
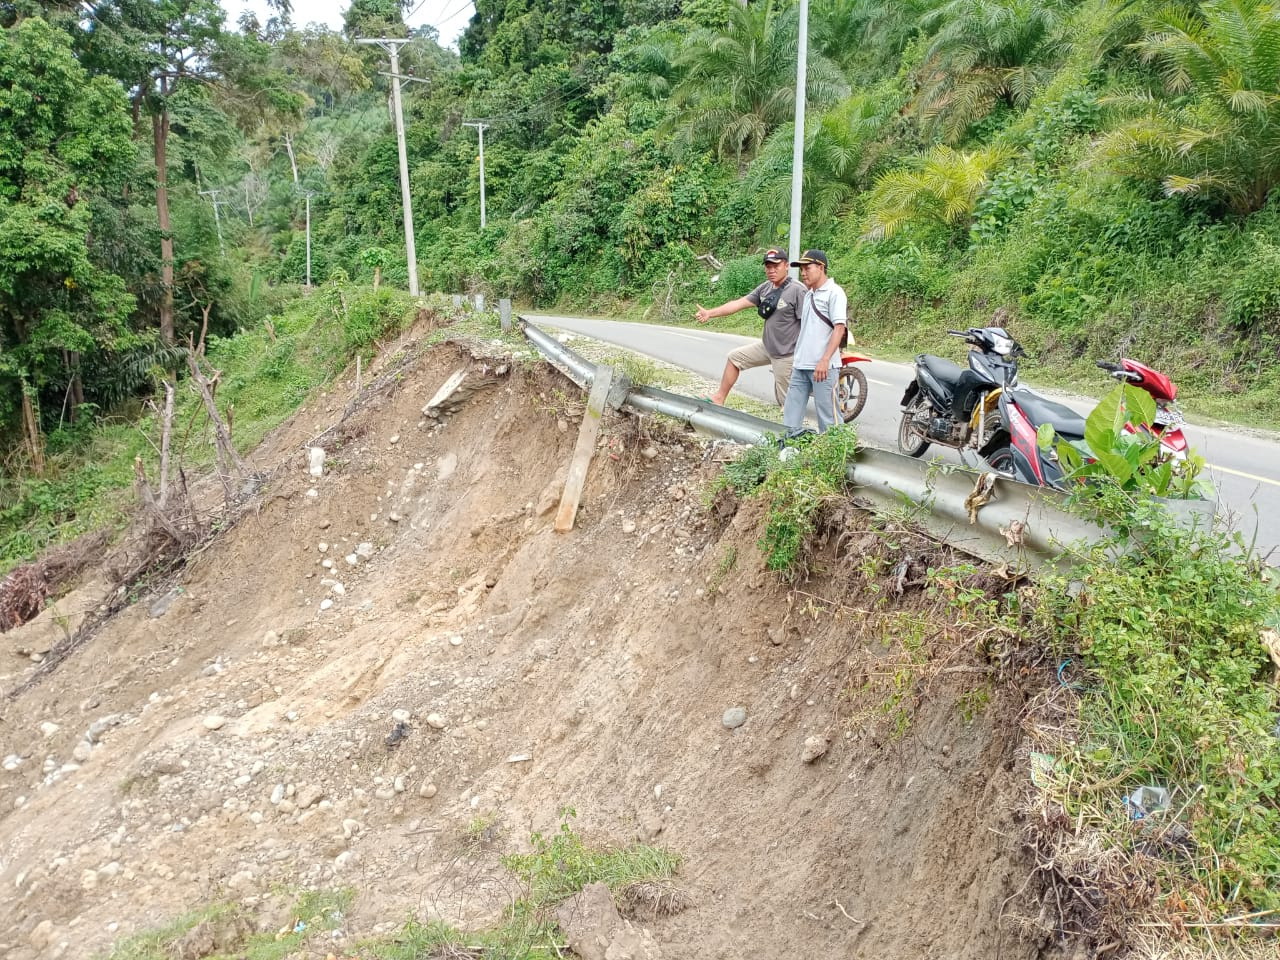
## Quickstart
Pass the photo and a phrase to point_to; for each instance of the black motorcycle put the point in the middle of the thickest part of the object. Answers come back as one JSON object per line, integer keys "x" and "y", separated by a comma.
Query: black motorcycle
{"x": 958, "y": 408}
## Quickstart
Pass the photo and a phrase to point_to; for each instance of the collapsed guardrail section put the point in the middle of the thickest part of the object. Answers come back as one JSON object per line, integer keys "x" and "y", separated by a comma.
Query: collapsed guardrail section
{"x": 985, "y": 515}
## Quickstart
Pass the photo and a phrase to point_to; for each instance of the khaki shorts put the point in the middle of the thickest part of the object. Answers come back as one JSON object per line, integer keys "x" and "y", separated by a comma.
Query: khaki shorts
{"x": 755, "y": 355}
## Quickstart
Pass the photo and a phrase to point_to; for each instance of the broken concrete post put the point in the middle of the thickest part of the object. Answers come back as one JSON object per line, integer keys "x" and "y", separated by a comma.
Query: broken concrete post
{"x": 457, "y": 299}
{"x": 450, "y": 387}
{"x": 479, "y": 303}
{"x": 315, "y": 461}
{"x": 504, "y": 314}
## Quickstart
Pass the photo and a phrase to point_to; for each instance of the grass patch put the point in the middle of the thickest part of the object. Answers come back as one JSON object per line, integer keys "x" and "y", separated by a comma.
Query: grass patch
{"x": 796, "y": 485}
{"x": 796, "y": 490}
{"x": 228, "y": 931}
{"x": 558, "y": 867}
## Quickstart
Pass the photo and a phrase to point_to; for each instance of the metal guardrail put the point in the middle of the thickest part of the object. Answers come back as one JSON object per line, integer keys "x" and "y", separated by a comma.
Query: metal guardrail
{"x": 1017, "y": 522}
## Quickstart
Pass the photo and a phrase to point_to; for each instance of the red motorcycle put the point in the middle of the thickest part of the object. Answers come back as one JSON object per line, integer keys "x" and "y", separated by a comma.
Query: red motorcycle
{"x": 1015, "y": 451}
{"x": 1168, "y": 420}
{"x": 851, "y": 387}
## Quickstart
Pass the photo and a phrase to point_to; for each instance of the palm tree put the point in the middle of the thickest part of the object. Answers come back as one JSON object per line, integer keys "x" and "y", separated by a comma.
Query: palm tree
{"x": 865, "y": 37}
{"x": 1221, "y": 137}
{"x": 941, "y": 186}
{"x": 984, "y": 53}
{"x": 738, "y": 83}
{"x": 842, "y": 149}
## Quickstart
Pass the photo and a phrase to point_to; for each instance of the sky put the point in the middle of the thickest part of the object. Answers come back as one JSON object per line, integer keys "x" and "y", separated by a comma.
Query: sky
{"x": 450, "y": 17}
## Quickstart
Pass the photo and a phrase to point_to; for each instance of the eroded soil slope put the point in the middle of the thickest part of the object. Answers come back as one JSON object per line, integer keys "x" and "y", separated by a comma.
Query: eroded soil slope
{"x": 475, "y": 669}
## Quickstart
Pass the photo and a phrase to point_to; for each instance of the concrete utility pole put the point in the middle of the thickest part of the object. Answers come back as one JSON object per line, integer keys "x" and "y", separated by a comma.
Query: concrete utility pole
{"x": 797, "y": 147}
{"x": 308, "y": 198}
{"x": 481, "y": 126}
{"x": 217, "y": 220}
{"x": 392, "y": 46}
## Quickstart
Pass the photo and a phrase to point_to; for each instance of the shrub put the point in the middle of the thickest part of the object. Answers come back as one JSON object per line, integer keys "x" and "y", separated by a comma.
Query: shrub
{"x": 1179, "y": 694}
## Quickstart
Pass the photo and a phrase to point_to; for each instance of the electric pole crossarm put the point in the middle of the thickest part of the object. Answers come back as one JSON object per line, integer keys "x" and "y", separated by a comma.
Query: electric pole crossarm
{"x": 392, "y": 46}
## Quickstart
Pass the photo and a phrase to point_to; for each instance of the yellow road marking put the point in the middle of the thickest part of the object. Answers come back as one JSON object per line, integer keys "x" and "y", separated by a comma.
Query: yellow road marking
{"x": 1241, "y": 473}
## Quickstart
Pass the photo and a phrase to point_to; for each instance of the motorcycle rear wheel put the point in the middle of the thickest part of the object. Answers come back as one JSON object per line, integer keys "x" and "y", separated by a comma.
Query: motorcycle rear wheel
{"x": 851, "y": 393}
{"x": 910, "y": 440}
{"x": 1001, "y": 462}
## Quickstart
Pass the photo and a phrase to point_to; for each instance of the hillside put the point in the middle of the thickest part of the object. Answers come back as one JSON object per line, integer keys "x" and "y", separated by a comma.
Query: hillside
{"x": 240, "y": 732}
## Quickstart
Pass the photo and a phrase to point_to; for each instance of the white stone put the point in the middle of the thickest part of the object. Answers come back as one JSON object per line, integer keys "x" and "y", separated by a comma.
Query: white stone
{"x": 315, "y": 461}
{"x": 49, "y": 728}
{"x": 214, "y": 722}
{"x": 435, "y": 721}
{"x": 326, "y": 603}
{"x": 400, "y": 716}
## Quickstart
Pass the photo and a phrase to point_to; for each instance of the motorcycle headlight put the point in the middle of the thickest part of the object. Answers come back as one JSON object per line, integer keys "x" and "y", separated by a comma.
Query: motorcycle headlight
{"x": 1002, "y": 345}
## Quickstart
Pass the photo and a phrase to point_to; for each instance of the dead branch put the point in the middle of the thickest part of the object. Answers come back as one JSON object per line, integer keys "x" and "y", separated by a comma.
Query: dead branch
{"x": 230, "y": 465}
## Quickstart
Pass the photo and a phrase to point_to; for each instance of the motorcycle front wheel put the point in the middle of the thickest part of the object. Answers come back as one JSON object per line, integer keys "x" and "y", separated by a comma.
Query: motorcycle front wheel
{"x": 851, "y": 393}
{"x": 910, "y": 440}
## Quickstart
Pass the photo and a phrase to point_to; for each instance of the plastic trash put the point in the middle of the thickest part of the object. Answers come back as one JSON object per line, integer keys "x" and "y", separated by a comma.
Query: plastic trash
{"x": 1145, "y": 801}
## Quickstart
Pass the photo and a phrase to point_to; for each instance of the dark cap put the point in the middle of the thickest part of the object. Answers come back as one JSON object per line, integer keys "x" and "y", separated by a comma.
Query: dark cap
{"x": 774, "y": 255}
{"x": 810, "y": 256}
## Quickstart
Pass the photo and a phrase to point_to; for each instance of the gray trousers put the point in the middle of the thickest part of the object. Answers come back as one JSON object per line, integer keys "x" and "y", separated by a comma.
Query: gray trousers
{"x": 801, "y": 388}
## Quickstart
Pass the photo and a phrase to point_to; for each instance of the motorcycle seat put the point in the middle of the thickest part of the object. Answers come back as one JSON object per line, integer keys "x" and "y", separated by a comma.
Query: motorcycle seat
{"x": 944, "y": 371}
{"x": 1040, "y": 410}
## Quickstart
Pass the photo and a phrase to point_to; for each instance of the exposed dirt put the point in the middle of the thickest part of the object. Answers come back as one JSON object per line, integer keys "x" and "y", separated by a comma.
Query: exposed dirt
{"x": 244, "y": 742}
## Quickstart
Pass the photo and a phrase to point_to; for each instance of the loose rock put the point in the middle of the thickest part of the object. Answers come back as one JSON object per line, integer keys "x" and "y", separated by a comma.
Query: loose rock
{"x": 814, "y": 747}
{"x": 734, "y": 717}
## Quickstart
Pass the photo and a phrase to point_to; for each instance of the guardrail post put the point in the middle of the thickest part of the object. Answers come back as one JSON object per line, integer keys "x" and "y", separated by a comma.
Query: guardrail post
{"x": 586, "y": 448}
{"x": 504, "y": 313}
{"x": 480, "y": 303}
{"x": 457, "y": 299}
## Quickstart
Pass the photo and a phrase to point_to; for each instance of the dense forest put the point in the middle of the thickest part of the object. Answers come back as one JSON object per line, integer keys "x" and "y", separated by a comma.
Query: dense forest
{"x": 1100, "y": 168}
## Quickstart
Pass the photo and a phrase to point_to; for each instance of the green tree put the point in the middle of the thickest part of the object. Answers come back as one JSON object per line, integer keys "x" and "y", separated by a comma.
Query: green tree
{"x": 984, "y": 53}
{"x": 63, "y": 137}
{"x": 155, "y": 49}
{"x": 739, "y": 82}
{"x": 1218, "y": 132}
{"x": 843, "y": 148}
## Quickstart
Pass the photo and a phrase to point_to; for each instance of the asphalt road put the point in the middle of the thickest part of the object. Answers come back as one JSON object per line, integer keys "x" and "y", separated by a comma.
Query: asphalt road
{"x": 1245, "y": 468}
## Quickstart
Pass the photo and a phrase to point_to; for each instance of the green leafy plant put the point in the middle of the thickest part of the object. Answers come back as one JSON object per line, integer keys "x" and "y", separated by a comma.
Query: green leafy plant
{"x": 1134, "y": 461}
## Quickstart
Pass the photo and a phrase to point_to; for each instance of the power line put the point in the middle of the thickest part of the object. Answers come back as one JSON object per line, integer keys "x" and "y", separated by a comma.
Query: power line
{"x": 457, "y": 9}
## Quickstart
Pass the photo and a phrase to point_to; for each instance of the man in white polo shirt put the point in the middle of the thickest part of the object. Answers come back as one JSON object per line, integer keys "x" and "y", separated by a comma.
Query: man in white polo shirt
{"x": 823, "y": 320}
